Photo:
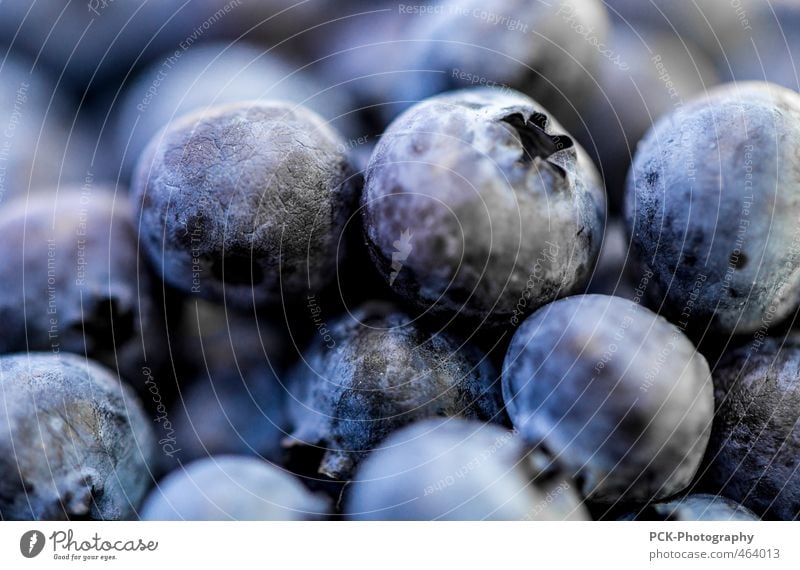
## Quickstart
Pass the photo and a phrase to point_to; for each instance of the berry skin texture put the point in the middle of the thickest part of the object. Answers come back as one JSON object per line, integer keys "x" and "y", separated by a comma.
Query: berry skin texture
{"x": 694, "y": 508}
{"x": 73, "y": 281}
{"x": 712, "y": 204}
{"x": 755, "y": 442}
{"x": 379, "y": 372}
{"x": 615, "y": 393}
{"x": 230, "y": 487}
{"x": 478, "y": 204}
{"x": 74, "y": 441}
{"x": 245, "y": 202}
{"x": 453, "y": 469}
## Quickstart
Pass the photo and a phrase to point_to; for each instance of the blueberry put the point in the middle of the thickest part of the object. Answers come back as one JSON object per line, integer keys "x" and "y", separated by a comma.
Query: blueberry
{"x": 717, "y": 27}
{"x": 755, "y": 442}
{"x": 231, "y": 412}
{"x": 212, "y": 74}
{"x": 232, "y": 488}
{"x": 478, "y": 203}
{"x": 298, "y": 28}
{"x": 245, "y": 202}
{"x": 547, "y": 50}
{"x": 39, "y": 143}
{"x": 211, "y": 338}
{"x": 73, "y": 281}
{"x": 232, "y": 402}
{"x": 375, "y": 372}
{"x": 615, "y": 393}
{"x": 93, "y": 41}
{"x": 694, "y": 508}
{"x": 711, "y": 206}
{"x": 452, "y": 469}
{"x": 371, "y": 55}
{"x": 645, "y": 78}
{"x": 74, "y": 441}
{"x": 769, "y": 51}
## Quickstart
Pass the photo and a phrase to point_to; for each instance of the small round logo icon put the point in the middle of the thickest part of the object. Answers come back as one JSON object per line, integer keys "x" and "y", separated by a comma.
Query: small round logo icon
{"x": 31, "y": 543}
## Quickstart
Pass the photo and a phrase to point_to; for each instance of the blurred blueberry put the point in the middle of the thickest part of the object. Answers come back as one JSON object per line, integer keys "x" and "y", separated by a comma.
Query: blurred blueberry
{"x": 694, "y": 508}
{"x": 299, "y": 28}
{"x": 770, "y": 49}
{"x": 644, "y": 78}
{"x": 452, "y": 469}
{"x": 712, "y": 204}
{"x": 42, "y": 142}
{"x": 231, "y": 401}
{"x": 88, "y": 42}
{"x": 615, "y": 393}
{"x": 232, "y": 488}
{"x": 209, "y": 75}
{"x": 371, "y": 55}
{"x": 74, "y": 441}
{"x": 548, "y": 50}
{"x": 718, "y": 27}
{"x": 73, "y": 281}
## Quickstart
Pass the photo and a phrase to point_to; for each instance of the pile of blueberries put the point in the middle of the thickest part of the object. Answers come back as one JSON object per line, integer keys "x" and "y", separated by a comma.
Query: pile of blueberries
{"x": 369, "y": 260}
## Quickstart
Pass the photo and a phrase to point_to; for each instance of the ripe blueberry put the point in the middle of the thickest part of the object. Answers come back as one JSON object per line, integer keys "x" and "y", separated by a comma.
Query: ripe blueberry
{"x": 615, "y": 393}
{"x": 712, "y": 202}
{"x": 245, "y": 202}
{"x": 478, "y": 204}
{"x": 378, "y": 372}
{"x": 74, "y": 441}
{"x": 753, "y": 453}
